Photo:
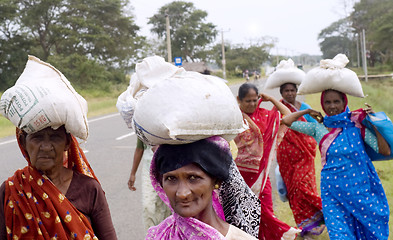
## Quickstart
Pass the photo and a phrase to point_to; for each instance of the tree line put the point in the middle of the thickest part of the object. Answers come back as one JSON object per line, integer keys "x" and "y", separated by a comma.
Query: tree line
{"x": 96, "y": 43}
{"x": 375, "y": 17}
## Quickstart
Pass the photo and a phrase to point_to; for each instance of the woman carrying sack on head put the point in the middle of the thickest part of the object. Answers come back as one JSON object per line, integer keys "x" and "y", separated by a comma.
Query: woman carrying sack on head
{"x": 208, "y": 197}
{"x": 256, "y": 149}
{"x": 192, "y": 170}
{"x": 57, "y": 195}
{"x": 353, "y": 199}
{"x": 296, "y": 153}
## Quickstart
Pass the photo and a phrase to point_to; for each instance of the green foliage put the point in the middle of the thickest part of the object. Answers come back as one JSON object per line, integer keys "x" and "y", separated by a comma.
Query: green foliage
{"x": 190, "y": 33}
{"x": 94, "y": 33}
{"x": 376, "y": 18}
{"x": 338, "y": 38}
{"x": 84, "y": 73}
{"x": 241, "y": 57}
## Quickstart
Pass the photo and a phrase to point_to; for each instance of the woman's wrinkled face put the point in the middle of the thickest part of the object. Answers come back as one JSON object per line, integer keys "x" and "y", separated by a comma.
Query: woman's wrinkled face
{"x": 249, "y": 103}
{"x": 333, "y": 103}
{"x": 289, "y": 93}
{"x": 189, "y": 190}
{"x": 46, "y": 147}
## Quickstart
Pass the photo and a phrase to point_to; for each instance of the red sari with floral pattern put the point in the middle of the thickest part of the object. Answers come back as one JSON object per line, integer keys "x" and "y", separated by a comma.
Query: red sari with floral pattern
{"x": 295, "y": 157}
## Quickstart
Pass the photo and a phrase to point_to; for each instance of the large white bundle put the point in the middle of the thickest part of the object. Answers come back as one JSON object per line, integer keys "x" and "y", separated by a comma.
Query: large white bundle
{"x": 181, "y": 106}
{"x": 43, "y": 97}
{"x": 332, "y": 74}
{"x": 286, "y": 72}
{"x": 147, "y": 73}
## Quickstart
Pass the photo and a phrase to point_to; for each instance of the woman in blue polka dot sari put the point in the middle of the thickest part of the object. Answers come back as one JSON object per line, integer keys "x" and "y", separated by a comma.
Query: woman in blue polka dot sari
{"x": 353, "y": 200}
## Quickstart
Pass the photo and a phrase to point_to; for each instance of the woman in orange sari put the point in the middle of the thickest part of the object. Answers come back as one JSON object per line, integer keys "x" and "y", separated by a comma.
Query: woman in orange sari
{"x": 256, "y": 148}
{"x": 49, "y": 199}
{"x": 295, "y": 157}
{"x": 57, "y": 195}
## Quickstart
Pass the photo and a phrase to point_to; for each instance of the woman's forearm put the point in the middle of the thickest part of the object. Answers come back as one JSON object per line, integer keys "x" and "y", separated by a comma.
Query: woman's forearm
{"x": 383, "y": 146}
{"x": 284, "y": 110}
{"x": 289, "y": 119}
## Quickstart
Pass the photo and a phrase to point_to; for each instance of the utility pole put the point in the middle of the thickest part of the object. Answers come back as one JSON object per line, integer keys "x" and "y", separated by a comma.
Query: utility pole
{"x": 364, "y": 56}
{"x": 357, "y": 49}
{"x": 168, "y": 37}
{"x": 224, "y": 74}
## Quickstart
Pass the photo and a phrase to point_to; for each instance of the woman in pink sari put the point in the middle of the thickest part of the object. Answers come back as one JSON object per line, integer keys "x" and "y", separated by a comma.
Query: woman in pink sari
{"x": 200, "y": 183}
{"x": 295, "y": 157}
{"x": 256, "y": 148}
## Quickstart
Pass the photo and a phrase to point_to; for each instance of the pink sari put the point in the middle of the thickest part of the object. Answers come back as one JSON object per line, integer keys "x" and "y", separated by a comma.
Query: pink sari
{"x": 233, "y": 202}
{"x": 256, "y": 148}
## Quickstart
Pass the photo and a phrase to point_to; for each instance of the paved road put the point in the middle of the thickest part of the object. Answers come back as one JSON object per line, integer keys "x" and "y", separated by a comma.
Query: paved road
{"x": 109, "y": 149}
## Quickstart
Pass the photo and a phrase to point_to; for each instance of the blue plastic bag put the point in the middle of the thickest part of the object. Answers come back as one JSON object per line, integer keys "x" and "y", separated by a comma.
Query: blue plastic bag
{"x": 281, "y": 188}
{"x": 385, "y": 127}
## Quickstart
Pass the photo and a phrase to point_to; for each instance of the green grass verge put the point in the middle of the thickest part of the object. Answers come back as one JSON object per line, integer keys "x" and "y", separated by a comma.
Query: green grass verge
{"x": 380, "y": 98}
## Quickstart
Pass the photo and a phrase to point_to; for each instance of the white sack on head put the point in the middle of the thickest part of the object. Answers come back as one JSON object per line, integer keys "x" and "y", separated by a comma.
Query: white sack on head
{"x": 332, "y": 74}
{"x": 42, "y": 97}
{"x": 286, "y": 72}
{"x": 147, "y": 73}
{"x": 183, "y": 107}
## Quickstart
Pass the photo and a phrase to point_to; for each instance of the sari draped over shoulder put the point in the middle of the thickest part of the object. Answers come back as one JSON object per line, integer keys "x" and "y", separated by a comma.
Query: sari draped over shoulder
{"x": 234, "y": 202}
{"x": 36, "y": 209}
{"x": 353, "y": 198}
{"x": 256, "y": 151}
{"x": 295, "y": 157}
{"x": 256, "y": 146}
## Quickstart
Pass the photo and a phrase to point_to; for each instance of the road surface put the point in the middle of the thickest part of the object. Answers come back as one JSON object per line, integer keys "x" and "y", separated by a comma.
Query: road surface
{"x": 109, "y": 150}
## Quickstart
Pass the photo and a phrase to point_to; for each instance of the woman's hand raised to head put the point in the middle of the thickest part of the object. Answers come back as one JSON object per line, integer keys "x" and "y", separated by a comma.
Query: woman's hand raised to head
{"x": 265, "y": 97}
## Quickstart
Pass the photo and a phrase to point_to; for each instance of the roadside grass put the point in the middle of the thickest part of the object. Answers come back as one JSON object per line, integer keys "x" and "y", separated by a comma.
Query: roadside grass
{"x": 379, "y": 96}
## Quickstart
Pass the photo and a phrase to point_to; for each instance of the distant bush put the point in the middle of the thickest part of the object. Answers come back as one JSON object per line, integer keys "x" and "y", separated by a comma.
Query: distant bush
{"x": 84, "y": 73}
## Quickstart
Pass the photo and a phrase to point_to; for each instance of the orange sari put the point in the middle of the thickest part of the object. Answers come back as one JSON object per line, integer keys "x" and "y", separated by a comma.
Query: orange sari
{"x": 35, "y": 209}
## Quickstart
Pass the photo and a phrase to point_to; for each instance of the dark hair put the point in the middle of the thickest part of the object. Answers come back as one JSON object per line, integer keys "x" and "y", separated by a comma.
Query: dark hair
{"x": 284, "y": 85}
{"x": 245, "y": 88}
{"x": 206, "y": 154}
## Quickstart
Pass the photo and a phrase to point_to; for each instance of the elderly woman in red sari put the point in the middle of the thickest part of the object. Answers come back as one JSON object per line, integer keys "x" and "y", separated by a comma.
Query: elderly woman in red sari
{"x": 57, "y": 195}
{"x": 256, "y": 148}
{"x": 295, "y": 157}
{"x": 49, "y": 199}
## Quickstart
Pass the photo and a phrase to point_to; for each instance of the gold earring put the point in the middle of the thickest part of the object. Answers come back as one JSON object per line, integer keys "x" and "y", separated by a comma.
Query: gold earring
{"x": 217, "y": 186}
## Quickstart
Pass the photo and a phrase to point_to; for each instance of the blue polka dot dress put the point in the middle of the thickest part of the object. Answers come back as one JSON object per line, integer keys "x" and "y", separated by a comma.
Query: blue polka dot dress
{"x": 353, "y": 200}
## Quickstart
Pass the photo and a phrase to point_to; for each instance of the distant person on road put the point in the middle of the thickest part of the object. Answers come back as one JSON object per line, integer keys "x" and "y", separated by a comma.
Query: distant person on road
{"x": 256, "y": 149}
{"x": 208, "y": 197}
{"x": 154, "y": 209}
{"x": 57, "y": 195}
{"x": 246, "y": 75}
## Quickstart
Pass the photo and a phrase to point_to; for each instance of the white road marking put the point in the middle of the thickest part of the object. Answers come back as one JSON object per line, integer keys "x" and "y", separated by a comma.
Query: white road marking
{"x": 9, "y": 141}
{"x": 104, "y": 117}
{"x": 125, "y": 136}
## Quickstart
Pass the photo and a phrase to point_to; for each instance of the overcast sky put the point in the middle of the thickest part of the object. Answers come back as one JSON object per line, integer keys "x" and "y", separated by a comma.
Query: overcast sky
{"x": 295, "y": 23}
